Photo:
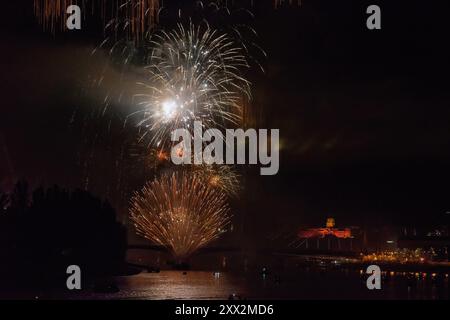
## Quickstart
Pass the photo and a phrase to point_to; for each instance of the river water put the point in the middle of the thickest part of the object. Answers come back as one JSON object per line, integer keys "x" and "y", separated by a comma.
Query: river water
{"x": 312, "y": 284}
{"x": 214, "y": 277}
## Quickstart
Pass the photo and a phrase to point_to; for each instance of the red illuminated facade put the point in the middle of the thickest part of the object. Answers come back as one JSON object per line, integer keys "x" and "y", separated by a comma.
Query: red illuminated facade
{"x": 329, "y": 230}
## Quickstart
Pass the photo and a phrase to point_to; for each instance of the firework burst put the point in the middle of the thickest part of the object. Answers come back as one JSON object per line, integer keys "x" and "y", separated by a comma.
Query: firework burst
{"x": 193, "y": 74}
{"x": 221, "y": 177}
{"x": 179, "y": 212}
{"x": 147, "y": 157}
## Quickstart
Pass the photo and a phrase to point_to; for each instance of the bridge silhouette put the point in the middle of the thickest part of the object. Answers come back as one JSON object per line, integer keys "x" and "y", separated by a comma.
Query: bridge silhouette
{"x": 222, "y": 249}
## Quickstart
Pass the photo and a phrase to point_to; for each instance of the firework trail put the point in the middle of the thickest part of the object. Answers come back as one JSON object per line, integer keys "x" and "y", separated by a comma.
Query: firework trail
{"x": 193, "y": 74}
{"x": 128, "y": 26}
{"x": 135, "y": 17}
{"x": 130, "y": 19}
{"x": 51, "y": 14}
{"x": 279, "y": 3}
{"x": 179, "y": 212}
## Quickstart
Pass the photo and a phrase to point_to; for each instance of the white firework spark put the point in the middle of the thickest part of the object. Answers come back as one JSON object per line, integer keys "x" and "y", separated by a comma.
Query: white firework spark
{"x": 193, "y": 74}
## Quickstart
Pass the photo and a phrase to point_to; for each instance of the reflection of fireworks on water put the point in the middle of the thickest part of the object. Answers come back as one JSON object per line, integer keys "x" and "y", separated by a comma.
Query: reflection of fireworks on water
{"x": 179, "y": 212}
{"x": 193, "y": 74}
{"x": 222, "y": 177}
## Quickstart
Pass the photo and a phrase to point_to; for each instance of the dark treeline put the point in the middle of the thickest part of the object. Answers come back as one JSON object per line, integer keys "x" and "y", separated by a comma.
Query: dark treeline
{"x": 45, "y": 230}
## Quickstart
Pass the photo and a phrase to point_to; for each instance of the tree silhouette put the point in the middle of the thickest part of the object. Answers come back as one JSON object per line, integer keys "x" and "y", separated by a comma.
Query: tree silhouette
{"x": 42, "y": 234}
{"x": 19, "y": 197}
{"x": 3, "y": 202}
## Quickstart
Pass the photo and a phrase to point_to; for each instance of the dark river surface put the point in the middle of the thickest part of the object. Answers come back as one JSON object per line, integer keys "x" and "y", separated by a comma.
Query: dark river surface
{"x": 312, "y": 284}
{"x": 285, "y": 278}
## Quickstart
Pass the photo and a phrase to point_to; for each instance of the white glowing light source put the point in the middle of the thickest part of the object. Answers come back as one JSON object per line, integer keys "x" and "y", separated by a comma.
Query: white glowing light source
{"x": 169, "y": 108}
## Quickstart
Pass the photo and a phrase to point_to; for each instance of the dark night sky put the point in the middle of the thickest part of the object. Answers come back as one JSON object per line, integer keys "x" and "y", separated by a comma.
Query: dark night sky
{"x": 363, "y": 115}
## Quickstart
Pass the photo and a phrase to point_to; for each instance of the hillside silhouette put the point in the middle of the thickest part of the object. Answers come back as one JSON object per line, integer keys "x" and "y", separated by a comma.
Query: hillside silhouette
{"x": 45, "y": 230}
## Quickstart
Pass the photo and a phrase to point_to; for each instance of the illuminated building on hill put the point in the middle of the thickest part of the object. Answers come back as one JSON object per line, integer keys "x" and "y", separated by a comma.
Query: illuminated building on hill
{"x": 329, "y": 238}
{"x": 329, "y": 230}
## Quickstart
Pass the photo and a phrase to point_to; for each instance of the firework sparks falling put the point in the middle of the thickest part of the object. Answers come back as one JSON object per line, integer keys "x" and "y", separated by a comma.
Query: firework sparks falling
{"x": 179, "y": 212}
{"x": 51, "y": 14}
{"x": 132, "y": 19}
{"x": 148, "y": 158}
{"x": 221, "y": 177}
{"x": 137, "y": 17}
{"x": 279, "y": 3}
{"x": 193, "y": 74}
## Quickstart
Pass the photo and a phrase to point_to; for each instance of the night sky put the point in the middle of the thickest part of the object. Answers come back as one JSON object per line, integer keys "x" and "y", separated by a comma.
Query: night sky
{"x": 363, "y": 115}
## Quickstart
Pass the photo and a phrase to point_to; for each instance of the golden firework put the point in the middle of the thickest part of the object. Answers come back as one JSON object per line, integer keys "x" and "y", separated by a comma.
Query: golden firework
{"x": 135, "y": 16}
{"x": 180, "y": 212}
{"x": 51, "y": 14}
{"x": 221, "y": 177}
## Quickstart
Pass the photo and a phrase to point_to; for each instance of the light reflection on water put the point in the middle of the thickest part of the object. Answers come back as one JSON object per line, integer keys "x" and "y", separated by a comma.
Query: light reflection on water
{"x": 176, "y": 285}
{"x": 306, "y": 284}
{"x": 286, "y": 278}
